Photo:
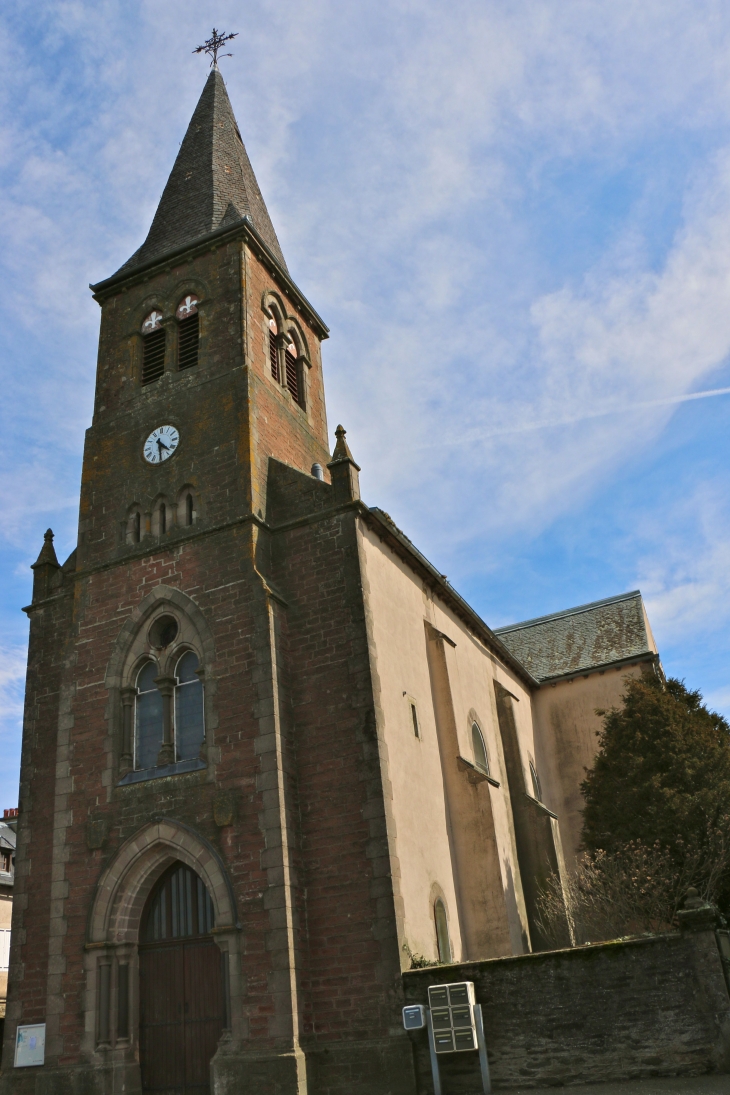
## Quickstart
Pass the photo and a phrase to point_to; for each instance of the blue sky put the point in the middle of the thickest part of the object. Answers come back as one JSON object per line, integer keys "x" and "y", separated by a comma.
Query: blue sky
{"x": 515, "y": 218}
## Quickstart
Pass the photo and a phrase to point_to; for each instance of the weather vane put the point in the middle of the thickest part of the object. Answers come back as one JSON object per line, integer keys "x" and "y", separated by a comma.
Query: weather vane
{"x": 213, "y": 44}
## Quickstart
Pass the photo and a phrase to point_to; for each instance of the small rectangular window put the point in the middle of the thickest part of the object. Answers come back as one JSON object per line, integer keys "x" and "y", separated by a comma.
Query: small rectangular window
{"x": 153, "y": 356}
{"x": 187, "y": 342}
{"x": 414, "y": 717}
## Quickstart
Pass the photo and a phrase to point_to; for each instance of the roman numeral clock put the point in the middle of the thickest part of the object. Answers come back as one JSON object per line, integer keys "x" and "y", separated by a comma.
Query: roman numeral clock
{"x": 161, "y": 444}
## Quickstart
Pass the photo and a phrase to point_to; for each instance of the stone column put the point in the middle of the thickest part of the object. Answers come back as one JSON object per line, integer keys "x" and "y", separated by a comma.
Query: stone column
{"x": 166, "y": 686}
{"x": 126, "y": 760}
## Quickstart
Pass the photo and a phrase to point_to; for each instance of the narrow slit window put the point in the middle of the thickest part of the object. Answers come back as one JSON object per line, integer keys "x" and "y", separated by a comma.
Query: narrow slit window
{"x": 414, "y": 719}
{"x": 442, "y": 931}
{"x": 189, "y": 514}
{"x": 137, "y": 527}
{"x": 480, "y": 750}
{"x": 163, "y": 518}
{"x": 536, "y": 788}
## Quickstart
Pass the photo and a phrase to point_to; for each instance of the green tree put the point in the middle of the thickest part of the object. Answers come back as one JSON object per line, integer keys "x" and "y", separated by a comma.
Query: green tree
{"x": 661, "y": 779}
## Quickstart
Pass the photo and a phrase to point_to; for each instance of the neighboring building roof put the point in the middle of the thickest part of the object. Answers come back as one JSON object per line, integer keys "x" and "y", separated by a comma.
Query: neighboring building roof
{"x": 582, "y": 638}
{"x": 7, "y": 843}
{"x": 211, "y": 183}
{"x": 7, "y": 836}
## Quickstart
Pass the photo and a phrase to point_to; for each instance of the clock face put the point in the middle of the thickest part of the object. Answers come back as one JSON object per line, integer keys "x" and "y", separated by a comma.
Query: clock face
{"x": 161, "y": 444}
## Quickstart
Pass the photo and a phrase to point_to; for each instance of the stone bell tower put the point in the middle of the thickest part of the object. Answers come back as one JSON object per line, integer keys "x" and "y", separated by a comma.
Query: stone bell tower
{"x": 203, "y": 895}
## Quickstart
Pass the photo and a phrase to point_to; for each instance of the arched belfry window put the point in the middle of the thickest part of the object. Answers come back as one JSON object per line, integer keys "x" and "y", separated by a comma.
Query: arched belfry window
{"x": 188, "y": 331}
{"x": 293, "y": 378}
{"x": 189, "y": 721}
{"x": 480, "y": 750}
{"x": 149, "y": 717}
{"x": 442, "y": 931}
{"x": 274, "y": 348}
{"x": 153, "y": 347}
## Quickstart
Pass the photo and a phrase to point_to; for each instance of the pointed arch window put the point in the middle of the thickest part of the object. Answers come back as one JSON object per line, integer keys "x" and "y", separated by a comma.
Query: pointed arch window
{"x": 480, "y": 750}
{"x": 149, "y": 718}
{"x": 188, "y": 729}
{"x": 188, "y": 331}
{"x": 153, "y": 347}
{"x": 536, "y": 787}
{"x": 189, "y": 719}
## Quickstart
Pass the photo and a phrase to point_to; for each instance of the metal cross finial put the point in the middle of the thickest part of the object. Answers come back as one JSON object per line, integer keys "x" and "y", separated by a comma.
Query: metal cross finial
{"x": 213, "y": 44}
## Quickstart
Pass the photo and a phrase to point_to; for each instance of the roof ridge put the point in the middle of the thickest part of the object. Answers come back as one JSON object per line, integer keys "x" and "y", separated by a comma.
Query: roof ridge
{"x": 632, "y": 595}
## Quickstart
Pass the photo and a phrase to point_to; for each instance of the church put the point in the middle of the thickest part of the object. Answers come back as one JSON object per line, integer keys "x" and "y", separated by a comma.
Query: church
{"x": 271, "y": 757}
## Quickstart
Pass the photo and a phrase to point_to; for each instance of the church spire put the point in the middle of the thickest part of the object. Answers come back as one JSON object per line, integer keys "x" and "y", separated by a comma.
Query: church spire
{"x": 212, "y": 183}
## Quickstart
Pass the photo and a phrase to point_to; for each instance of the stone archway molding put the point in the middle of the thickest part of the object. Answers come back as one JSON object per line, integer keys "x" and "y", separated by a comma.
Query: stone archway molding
{"x": 127, "y": 881}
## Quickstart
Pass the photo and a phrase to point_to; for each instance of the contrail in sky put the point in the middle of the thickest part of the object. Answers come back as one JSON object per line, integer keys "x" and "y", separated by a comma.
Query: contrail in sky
{"x": 547, "y": 424}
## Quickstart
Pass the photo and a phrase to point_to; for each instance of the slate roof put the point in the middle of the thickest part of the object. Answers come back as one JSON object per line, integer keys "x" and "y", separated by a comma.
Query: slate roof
{"x": 581, "y": 638}
{"x": 211, "y": 183}
{"x": 7, "y": 836}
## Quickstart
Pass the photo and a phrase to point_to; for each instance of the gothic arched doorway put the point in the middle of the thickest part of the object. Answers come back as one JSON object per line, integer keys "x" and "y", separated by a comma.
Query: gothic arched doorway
{"x": 182, "y": 1007}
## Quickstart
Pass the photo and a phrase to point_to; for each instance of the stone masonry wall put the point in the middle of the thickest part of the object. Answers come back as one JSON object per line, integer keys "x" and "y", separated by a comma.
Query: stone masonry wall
{"x": 35, "y": 886}
{"x": 612, "y": 1011}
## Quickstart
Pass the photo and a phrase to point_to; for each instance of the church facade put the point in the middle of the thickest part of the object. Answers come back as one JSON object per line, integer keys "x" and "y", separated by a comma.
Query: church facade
{"x": 270, "y": 756}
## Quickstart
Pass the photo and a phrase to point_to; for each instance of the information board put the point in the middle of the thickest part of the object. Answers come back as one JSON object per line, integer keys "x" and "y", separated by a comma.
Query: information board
{"x": 30, "y": 1045}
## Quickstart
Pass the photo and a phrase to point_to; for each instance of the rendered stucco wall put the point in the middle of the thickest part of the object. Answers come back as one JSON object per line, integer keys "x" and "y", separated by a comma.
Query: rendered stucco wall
{"x": 438, "y": 813}
{"x": 567, "y": 739}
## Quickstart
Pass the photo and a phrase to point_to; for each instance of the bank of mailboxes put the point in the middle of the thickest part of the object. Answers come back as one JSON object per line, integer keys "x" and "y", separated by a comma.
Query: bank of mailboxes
{"x": 452, "y": 1016}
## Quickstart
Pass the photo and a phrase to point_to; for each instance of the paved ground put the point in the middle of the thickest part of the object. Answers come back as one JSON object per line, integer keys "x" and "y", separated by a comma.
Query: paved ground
{"x": 688, "y": 1085}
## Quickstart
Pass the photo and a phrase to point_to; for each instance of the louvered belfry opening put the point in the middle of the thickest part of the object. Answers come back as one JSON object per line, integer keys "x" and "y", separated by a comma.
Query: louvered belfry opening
{"x": 273, "y": 355}
{"x": 187, "y": 342}
{"x": 292, "y": 376}
{"x": 153, "y": 355}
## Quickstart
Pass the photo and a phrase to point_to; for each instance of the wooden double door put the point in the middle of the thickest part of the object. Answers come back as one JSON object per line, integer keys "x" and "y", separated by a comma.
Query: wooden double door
{"x": 181, "y": 997}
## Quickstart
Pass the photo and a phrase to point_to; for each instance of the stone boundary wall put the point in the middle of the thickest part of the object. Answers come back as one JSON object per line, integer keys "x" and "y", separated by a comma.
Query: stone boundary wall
{"x": 656, "y": 1006}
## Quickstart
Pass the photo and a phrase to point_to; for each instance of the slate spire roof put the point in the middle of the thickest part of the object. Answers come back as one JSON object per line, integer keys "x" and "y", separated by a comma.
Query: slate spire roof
{"x": 211, "y": 184}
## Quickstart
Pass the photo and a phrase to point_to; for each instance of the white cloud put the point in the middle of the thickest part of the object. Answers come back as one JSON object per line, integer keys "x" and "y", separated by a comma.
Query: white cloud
{"x": 685, "y": 573}
{"x": 12, "y": 680}
{"x": 411, "y": 155}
